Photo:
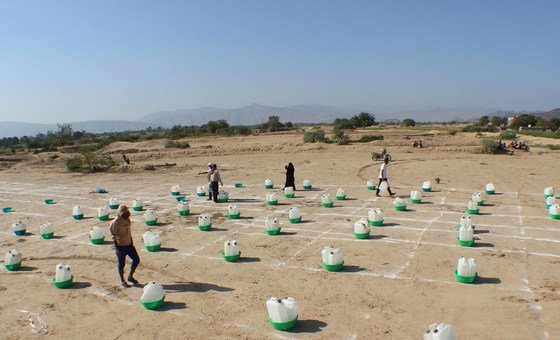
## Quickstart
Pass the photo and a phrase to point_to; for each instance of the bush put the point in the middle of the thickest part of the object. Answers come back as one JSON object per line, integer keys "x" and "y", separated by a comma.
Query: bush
{"x": 408, "y": 122}
{"x": 369, "y": 138}
{"x": 75, "y": 164}
{"x": 555, "y": 135}
{"x": 314, "y": 136}
{"x": 489, "y": 146}
{"x": 452, "y": 132}
{"x": 176, "y": 144}
{"x": 89, "y": 159}
{"x": 553, "y": 146}
{"x": 476, "y": 128}
{"x": 341, "y": 138}
{"x": 508, "y": 135}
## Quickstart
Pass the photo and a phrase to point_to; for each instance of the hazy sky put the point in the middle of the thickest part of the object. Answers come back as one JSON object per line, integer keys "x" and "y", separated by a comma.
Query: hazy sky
{"x": 80, "y": 60}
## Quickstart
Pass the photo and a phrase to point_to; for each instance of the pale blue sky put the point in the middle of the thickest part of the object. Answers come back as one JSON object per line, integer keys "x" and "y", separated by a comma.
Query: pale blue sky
{"x": 80, "y": 60}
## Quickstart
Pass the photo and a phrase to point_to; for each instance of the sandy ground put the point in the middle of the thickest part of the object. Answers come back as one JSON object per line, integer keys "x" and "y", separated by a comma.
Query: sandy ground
{"x": 394, "y": 284}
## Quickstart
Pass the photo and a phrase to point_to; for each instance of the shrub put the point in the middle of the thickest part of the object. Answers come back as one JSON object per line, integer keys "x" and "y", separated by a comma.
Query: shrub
{"x": 553, "y": 146}
{"x": 408, "y": 122}
{"x": 489, "y": 146}
{"x": 89, "y": 159}
{"x": 75, "y": 164}
{"x": 453, "y": 132}
{"x": 176, "y": 144}
{"x": 340, "y": 137}
{"x": 476, "y": 128}
{"x": 369, "y": 138}
{"x": 508, "y": 135}
{"x": 314, "y": 136}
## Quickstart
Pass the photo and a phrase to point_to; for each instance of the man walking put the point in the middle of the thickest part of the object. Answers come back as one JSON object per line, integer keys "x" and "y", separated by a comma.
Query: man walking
{"x": 383, "y": 177}
{"x": 124, "y": 245}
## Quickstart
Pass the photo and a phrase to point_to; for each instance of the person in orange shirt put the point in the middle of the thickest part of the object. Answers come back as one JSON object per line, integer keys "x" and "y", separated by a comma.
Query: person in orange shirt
{"x": 124, "y": 244}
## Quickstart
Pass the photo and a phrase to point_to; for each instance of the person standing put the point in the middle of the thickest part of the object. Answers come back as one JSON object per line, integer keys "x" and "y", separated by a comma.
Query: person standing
{"x": 290, "y": 176}
{"x": 210, "y": 165}
{"x": 215, "y": 180}
{"x": 383, "y": 170}
{"x": 124, "y": 244}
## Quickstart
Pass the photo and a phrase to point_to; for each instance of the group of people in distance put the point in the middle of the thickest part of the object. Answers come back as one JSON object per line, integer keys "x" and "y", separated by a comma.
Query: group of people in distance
{"x": 120, "y": 227}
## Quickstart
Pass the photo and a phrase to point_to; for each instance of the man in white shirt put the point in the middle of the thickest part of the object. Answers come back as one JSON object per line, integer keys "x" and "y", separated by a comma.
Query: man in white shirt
{"x": 383, "y": 177}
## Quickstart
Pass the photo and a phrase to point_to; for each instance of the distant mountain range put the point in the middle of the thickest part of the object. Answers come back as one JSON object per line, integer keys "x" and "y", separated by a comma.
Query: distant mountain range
{"x": 256, "y": 114}
{"x": 247, "y": 115}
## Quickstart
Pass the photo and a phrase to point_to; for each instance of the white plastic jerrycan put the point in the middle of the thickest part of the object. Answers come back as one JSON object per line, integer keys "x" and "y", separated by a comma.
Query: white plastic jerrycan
{"x": 13, "y": 260}
{"x": 268, "y": 183}
{"x": 466, "y": 222}
{"x": 427, "y": 186}
{"x": 399, "y": 203}
{"x": 272, "y": 198}
{"x": 77, "y": 212}
{"x": 383, "y": 186}
{"x": 231, "y": 248}
{"x": 96, "y": 235}
{"x": 548, "y": 191}
{"x": 150, "y": 217}
{"x": 183, "y": 208}
{"x": 472, "y": 207}
{"x": 282, "y": 311}
{"x": 307, "y": 184}
{"x": 478, "y": 198}
{"x": 415, "y": 196}
{"x": 550, "y": 200}
{"x": 331, "y": 256}
{"x": 152, "y": 241}
{"x": 370, "y": 184}
{"x": 63, "y": 273}
{"x": 18, "y": 228}
{"x": 289, "y": 192}
{"x": 47, "y": 230}
{"x": 201, "y": 191}
{"x": 440, "y": 331}
{"x": 223, "y": 196}
{"x": 554, "y": 211}
{"x": 233, "y": 211}
{"x": 204, "y": 220}
{"x": 341, "y": 194}
{"x": 490, "y": 189}
{"x": 272, "y": 224}
{"x": 375, "y": 216}
{"x": 466, "y": 234}
{"x": 153, "y": 295}
{"x": 326, "y": 200}
{"x": 361, "y": 227}
{"x": 113, "y": 203}
{"x": 466, "y": 267}
{"x": 294, "y": 215}
{"x": 176, "y": 190}
{"x": 137, "y": 204}
{"x": 103, "y": 213}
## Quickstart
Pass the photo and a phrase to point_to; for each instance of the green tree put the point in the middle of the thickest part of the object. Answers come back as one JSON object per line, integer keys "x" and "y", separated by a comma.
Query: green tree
{"x": 497, "y": 121}
{"x": 364, "y": 119}
{"x": 408, "y": 122}
{"x": 484, "y": 121}
{"x": 274, "y": 123}
{"x": 61, "y": 136}
{"x": 523, "y": 120}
